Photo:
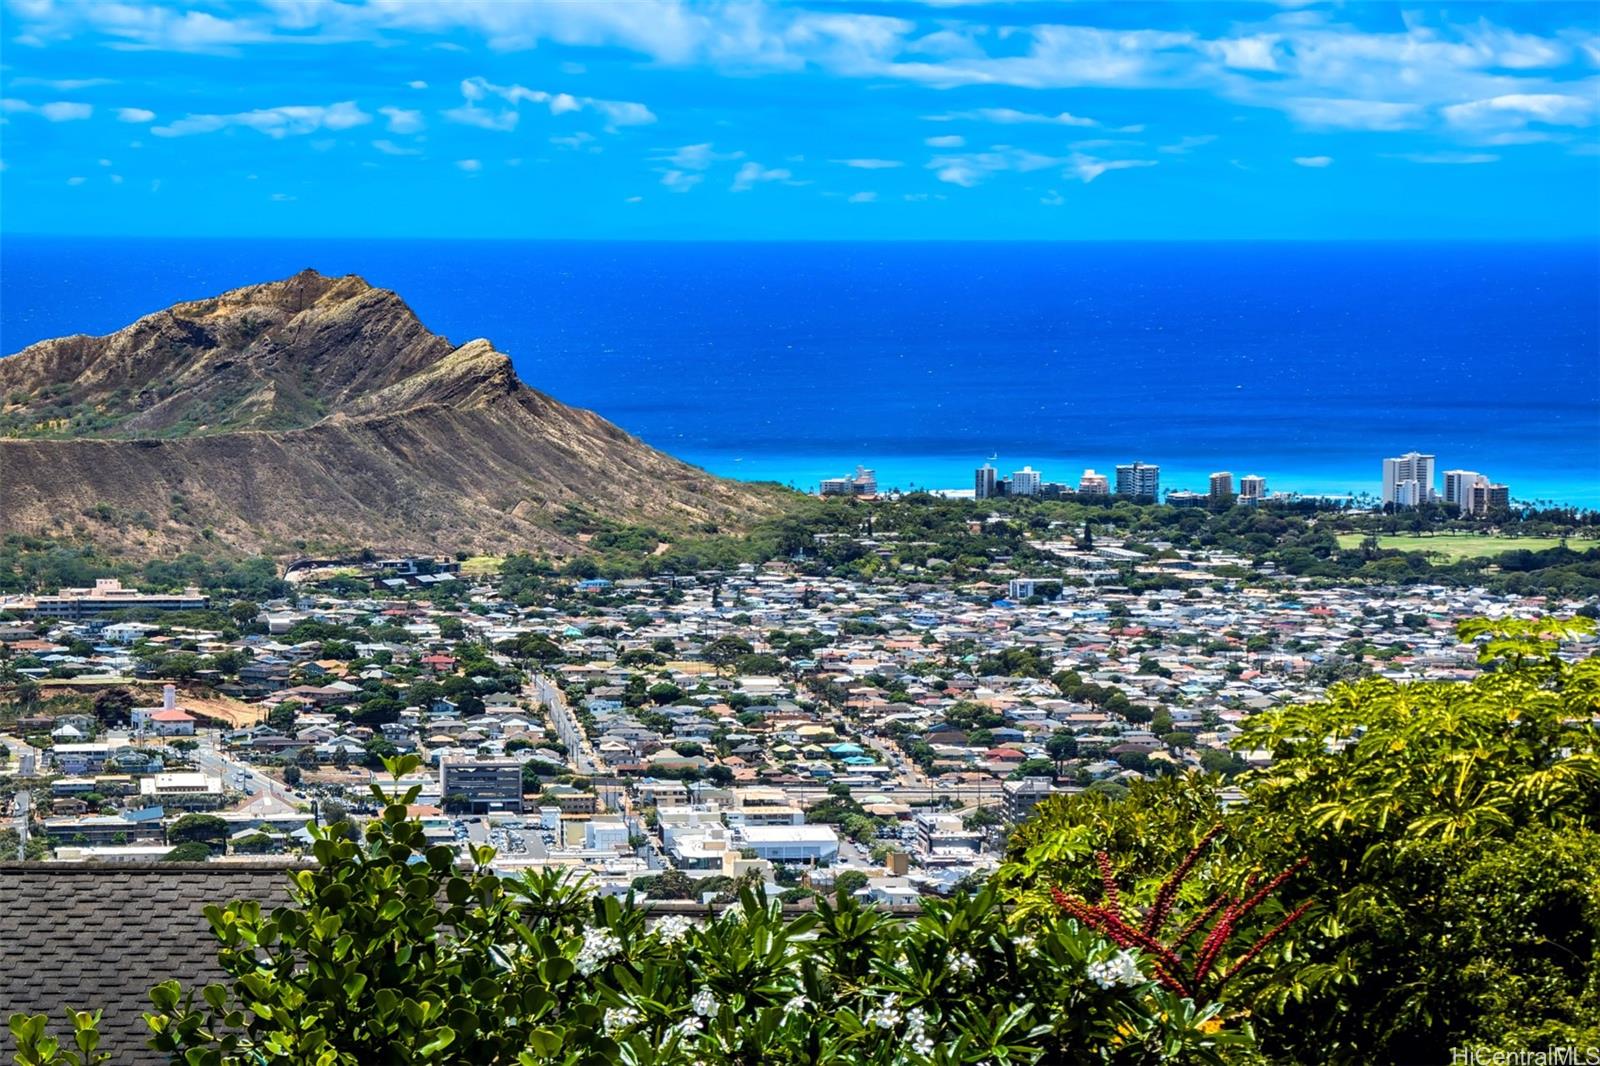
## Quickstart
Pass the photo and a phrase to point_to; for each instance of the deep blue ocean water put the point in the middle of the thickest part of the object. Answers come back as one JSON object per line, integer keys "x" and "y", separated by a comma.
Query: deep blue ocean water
{"x": 1305, "y": 363}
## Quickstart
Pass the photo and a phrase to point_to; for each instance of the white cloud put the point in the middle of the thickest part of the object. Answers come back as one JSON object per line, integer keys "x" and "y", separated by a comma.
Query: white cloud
{"x": 871, "y": 164}
{"x": 972, "y": 168}
{"x": 1246, "y": 53}
{"x": 76, "y": 180}
{"x": 1087, "y": 167}
{"x": 1317, "y": 66}
{"x": 416, "y": 84}
{"x": 700, "y": 157}
{"x": 863, "y": 197}
{"x": 1314, "y": 161}
{"x": 63, "y": 85}
{"x": 1184, "y": 145}
{"x": 388, "y": 147}
{"x": 1009, "y": 117}
{"x": 1448, "y": 158}
{"x": 1514, "y": 110}
{"x": 57, "y": 111}
{"x": 401, "y": 120}
{"x": 275, "y": 122}
{"x": 949, "y": 141}
{"x": 501, "y": 121}
{"x": 576, "y": 141}
{"x": 617, "y": 113}
{"x": 1354, "y": 114}
{"x": 134, "y": 114}
{"x": 681, "y": 180}
{"x": 1052, "y": 199}
{"x": 753, "y": 173}
{"x": 469, "y": 165}
{"x": 282, "y": 198}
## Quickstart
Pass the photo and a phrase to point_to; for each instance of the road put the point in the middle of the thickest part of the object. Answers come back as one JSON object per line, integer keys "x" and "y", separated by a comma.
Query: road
{"x": 266, "y": 792}
{"x": 584, "y": 758}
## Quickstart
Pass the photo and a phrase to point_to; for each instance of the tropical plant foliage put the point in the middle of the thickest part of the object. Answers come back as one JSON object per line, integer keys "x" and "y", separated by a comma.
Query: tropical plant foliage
{"x": 393, "y": 954}
{"x": 1449, "y": 838}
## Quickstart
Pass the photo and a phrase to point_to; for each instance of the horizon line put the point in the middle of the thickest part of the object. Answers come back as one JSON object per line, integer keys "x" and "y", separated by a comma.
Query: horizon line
{"x": 1582, "y": 239}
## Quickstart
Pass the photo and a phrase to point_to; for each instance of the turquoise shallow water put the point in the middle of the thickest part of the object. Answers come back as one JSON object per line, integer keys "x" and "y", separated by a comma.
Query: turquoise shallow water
{"x": 1305, "y": 363}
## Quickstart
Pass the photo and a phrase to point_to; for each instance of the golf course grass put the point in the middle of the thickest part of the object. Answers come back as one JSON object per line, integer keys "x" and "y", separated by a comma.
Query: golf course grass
{"x": 1453, "y": 546}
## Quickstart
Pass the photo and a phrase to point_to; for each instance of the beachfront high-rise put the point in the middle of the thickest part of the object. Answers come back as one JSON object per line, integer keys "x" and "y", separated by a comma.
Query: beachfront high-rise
{"x": 1408, "y": 480}
{"x": 1025, "y": 482}
{"x": 1252, "y": 488}
{"x": 1093, "y": 484}
{"x": 1458, "y": 488}
{"x": 864, "y": 482}
{"x": 1221, "y": 486}
{"x": 1139, "y": 480}
{"x": 983, "y": 482}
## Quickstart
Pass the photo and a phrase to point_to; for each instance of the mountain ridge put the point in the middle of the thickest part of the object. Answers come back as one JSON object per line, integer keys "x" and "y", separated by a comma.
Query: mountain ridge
{"x": 318, "y": 412}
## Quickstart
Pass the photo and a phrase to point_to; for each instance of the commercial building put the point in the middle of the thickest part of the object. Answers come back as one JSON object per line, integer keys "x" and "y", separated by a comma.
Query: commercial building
{"x": 485, "y": 784}
{"x": 106, "y": 595}
{"x": 983, "y": 482}
{"x": 943, "y": 836}
{"x": 183, "y": 791}
{"x": 1252, "y": 489}
{"x": 1093, "y": 484}
{"x": 789, "y": 843}
{"x": 1221, "y": 486}
{"x": 1408, "y": 480}
{"x": 1025, "y": 482}
{"x": 1139, "y": 481}
{"x": 1023, "y": 794}
{"x": 863, "y": 482}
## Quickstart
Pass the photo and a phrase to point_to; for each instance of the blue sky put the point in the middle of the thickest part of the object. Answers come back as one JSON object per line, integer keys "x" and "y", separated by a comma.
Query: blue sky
{"x": 621, "y": 119}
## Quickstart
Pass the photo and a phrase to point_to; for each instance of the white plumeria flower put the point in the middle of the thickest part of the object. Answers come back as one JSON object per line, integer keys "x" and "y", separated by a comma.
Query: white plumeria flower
{"x": 619, "y": 1018}
{"x": 704, "y": 1002}
{"x": 599, "y": 945}
{"x": 1120, "y": 969}
{"x": 673, "y": 928}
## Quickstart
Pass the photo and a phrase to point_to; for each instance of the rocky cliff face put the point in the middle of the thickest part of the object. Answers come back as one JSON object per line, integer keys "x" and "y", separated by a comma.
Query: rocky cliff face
{"x": 316, "y": 413}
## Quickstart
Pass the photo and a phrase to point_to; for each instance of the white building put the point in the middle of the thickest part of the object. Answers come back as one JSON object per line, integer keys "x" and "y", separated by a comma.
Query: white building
{"x": 182, "y": 790}
{"x": 1025, "y": 482}
{"x": 1138, "y": 480}
{"x": 1093, "y": 484}
{"x": 789, "y": 843}
{"x": 1408, "y": 480}
{"x": 864, "y": 482}
{"x": 605, "y": 834}
{"x": 166, "y": 720}
{"x": 1253, "y": 488}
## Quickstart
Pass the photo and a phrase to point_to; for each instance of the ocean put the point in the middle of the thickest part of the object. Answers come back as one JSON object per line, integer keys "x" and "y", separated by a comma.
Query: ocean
{"x": 1305, "y": 363}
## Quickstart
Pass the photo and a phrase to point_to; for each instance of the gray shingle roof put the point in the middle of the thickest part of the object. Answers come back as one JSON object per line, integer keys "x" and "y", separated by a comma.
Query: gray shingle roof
{"x": 97, "y": 935}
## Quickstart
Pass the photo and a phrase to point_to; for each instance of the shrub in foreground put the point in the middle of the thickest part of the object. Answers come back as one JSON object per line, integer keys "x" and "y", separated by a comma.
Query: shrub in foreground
{"x": 393, "y": 954}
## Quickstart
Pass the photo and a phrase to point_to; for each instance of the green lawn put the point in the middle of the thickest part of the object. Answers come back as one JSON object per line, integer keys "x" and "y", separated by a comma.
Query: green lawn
{"x": 1453, "y": 546}
{"x": 481, "y": 565}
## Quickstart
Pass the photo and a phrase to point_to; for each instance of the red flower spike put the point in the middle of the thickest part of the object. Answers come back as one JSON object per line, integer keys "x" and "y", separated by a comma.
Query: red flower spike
{"x": 1107, "y": 919}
